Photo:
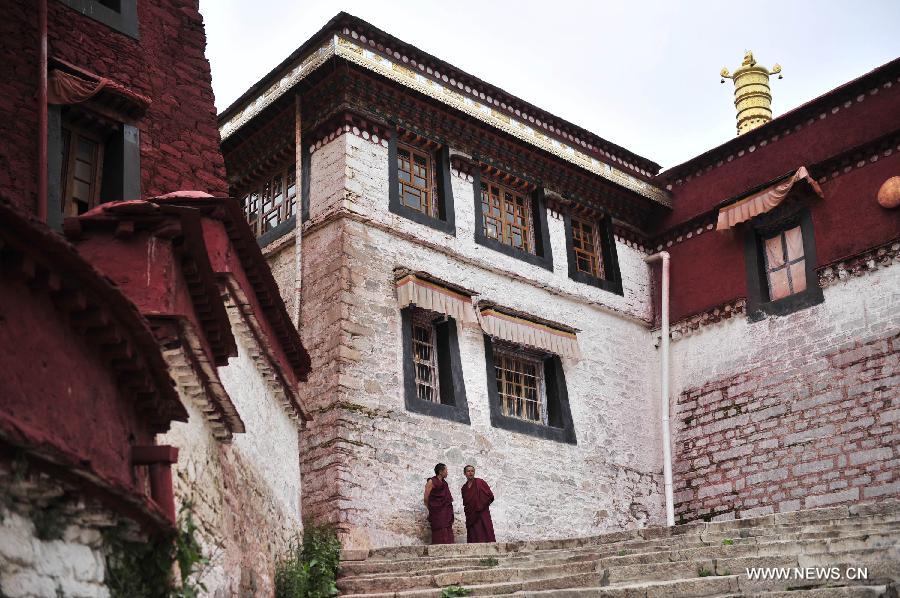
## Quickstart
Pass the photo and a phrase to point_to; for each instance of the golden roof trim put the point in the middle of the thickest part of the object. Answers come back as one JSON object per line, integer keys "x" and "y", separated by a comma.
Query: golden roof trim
{"x": 396, "y": 71}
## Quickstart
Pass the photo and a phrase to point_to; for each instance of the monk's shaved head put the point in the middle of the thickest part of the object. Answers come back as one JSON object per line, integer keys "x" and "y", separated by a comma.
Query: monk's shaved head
{"x": 439, "y": 468}
{"x": 472, "y": 467}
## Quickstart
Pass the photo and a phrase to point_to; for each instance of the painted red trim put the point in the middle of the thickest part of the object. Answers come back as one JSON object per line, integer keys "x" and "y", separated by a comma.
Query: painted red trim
{"x": 258, "y": 274}
{"x": 55, "y": 267}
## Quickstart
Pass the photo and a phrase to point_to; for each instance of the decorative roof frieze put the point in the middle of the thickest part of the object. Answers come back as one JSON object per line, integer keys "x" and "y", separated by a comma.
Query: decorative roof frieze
{"x": 438, "y": 86}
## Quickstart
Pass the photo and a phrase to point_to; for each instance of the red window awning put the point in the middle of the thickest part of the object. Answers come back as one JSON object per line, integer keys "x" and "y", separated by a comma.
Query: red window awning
{"x": 763, "y": 201}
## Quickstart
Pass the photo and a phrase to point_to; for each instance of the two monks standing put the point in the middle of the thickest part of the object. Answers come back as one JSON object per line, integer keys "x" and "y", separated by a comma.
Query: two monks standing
{"x": 477, "y": 498}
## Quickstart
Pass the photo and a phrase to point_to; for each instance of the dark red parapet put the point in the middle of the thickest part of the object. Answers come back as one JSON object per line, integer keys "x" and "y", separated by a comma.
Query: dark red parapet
{"x": 82, "y": 379}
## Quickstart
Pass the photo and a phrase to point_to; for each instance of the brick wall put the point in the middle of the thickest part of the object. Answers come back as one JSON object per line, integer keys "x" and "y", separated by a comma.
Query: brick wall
{"x": 795, "y": 412}
{"x": 179, "y": 137}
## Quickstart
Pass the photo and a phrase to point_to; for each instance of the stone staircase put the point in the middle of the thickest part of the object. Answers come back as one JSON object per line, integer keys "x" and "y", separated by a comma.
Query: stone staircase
{"x": 697, "y": 559}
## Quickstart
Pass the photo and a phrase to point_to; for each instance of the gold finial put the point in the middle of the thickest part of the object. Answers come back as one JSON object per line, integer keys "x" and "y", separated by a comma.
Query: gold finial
{"x": 752, "y": 95}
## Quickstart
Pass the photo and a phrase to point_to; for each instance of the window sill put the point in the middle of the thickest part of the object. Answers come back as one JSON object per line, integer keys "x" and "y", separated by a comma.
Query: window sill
{"x": 420, "y": 218}
{"x": 537, "y": 260}
{"x": 786, "y": 305}
{"x": 276, "y": 233}
{"x": 512, "y": 424}
{"x": 451, "y": 413}
{"x": 612, "y": 286}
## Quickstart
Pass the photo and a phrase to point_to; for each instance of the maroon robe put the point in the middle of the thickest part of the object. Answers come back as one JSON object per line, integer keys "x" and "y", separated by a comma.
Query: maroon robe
{"x": 477, "y": 500}
{"x": 440, "y": 512}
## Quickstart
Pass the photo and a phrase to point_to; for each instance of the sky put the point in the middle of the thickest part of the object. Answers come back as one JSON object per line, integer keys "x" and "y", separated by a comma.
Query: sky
{"x": 641, "y": 74}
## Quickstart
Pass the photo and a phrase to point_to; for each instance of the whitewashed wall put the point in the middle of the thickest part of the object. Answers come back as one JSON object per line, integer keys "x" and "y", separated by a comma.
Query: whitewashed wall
{"x": 373, "y": 456}
{"x": 246, "y": 494}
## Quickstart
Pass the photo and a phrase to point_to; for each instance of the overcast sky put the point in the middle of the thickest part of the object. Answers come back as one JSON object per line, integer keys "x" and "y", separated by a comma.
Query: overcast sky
{"x": 644, "y": 75}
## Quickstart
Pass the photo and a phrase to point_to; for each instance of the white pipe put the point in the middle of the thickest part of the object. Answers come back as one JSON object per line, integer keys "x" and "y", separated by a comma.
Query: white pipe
{"x": 664, "y": 385}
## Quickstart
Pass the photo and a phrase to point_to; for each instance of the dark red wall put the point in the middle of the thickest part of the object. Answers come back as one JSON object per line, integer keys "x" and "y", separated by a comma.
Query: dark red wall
{"x": 179, "y": 138}
{"x": 708, "y": 269}
{"x": 58, "y": 386}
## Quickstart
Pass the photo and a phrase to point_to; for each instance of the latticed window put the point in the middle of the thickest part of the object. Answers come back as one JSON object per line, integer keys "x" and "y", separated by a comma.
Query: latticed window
{"x": 785, "y": 264}
{"x": 520, "y": 385}
{"x": 586, "y": 245}
{"x": 271, "y": 202}
{"x": 507, "y": 216}
{"x": 82, "y": 166}
{"x": 416, "y": 175}
{"x": 424, "y": 344}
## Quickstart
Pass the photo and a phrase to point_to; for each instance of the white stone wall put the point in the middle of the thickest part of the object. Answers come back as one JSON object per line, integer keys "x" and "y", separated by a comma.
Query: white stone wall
{"x": 369, "y": 457}
{"x": 73, "y": 566}
{"x": 245, "y": 495}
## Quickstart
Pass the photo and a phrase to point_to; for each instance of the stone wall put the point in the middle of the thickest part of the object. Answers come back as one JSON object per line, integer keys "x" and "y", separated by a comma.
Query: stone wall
{"x": 245, "y": 495}
{"x": 35, "y": 567}
{"x": 793, "y": 412}
{"x": 365, "y": 459}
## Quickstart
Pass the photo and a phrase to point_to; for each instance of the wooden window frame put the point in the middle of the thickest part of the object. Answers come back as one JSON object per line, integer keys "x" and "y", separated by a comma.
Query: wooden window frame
{"x": 542, "y": 254}
{"x": 71, "y": 134}
{"x": 428, "y": 388}
{"x": 592, "y": 254}
{"x": 606, "y": 247}
{"x": 442, "y": 216}
{"x": 509, "y": 200}
{"x": 284, "y": 212}
{"x": 452, "y": 404}
{"x": 431, "y": 206}
{"x": 557, "y": 424}
{"x": 786, "y": 264}
{"x": 792, "y": 213}
{"x": 513, "y": 405}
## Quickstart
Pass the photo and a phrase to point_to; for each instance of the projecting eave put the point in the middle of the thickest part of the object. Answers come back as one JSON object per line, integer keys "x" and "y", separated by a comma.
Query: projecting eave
{"x": 355, "y": 41}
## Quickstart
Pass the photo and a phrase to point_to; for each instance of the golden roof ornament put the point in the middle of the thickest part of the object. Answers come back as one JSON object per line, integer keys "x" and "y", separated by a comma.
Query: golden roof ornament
{"x": 752, "y": 96}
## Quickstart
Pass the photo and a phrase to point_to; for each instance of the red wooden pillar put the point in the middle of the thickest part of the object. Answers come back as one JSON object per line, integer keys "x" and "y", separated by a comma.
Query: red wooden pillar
{"x": 159, "y": 459}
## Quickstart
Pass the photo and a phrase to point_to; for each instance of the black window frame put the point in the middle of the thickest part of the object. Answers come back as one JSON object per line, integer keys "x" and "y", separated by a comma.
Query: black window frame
{"x": 124, "y": 20}
{"x": 560, "y": 427}
{"x": 543, "y": 253}
{"x": 454, "y": 405}
{"x": 608, "y": 253}
{"x": 120, "y": 174}
{"x": 790, "y": 214}
{"x": 446, "y": 220}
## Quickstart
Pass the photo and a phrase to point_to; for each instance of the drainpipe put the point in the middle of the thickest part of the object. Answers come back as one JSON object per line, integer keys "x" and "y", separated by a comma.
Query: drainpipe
{"x": 298, "y": 209}
{"x": 664, "y": 385}
{"x": 42, "y": 114}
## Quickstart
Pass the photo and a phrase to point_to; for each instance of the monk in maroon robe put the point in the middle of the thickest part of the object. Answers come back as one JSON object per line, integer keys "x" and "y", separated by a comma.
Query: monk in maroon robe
{"x": 440, "y": 506}
{"x": 477, "y": 499}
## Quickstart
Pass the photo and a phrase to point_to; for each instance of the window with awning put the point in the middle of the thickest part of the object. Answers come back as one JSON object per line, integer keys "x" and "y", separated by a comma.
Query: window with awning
{"x": 764, "y": 200}
{"x": 428, "y": 294}
{"x": 519, "y": 330}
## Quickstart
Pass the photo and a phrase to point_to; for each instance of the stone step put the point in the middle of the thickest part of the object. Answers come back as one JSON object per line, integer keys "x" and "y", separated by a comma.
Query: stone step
{"x": 698, "y": 559}
{"x": 812, "y": 526}
{"x": 495, "y": 589}
{"x": 884, "y": 565}
{"x": 776, "y": 547}
{"x": 723, "y": 587}
{"x": 465, "y": 577}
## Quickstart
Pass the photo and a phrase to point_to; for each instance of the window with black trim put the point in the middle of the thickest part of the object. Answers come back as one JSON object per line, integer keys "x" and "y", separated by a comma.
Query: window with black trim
{"x": 92, "y": 159}
{"x": 121, "y": 15}
{"x": 432, "y": 369}
{"x": 527, "y": 392}
{"x": 780, "y": 254}
{"x": 591, "y": 249}
{"x": 419, "y": 179}
{"x": 511, "y": 218}
{"x": 272, "y": 202}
